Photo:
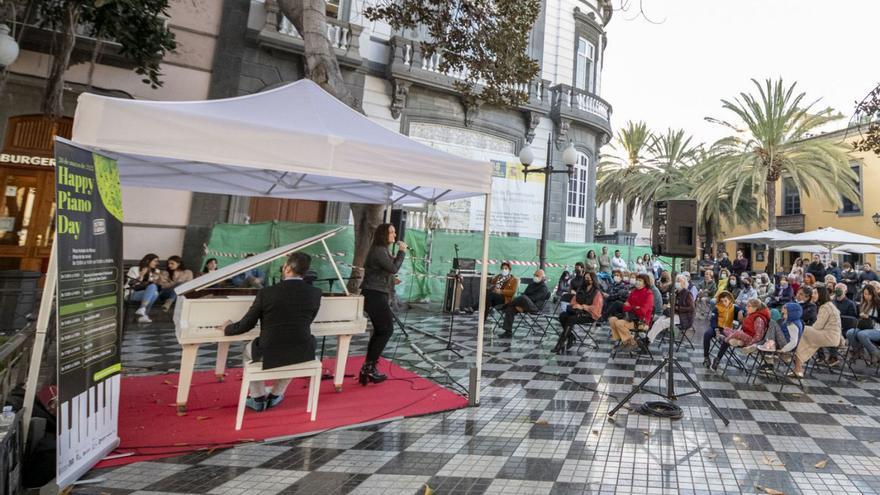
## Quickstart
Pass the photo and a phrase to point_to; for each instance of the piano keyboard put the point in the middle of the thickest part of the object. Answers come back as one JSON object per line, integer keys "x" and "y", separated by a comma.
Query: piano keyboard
{"x": 87, "y": 423}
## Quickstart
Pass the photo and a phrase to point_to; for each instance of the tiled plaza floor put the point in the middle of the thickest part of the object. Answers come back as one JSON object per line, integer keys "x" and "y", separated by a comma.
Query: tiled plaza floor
{"x": 542, "y": 428}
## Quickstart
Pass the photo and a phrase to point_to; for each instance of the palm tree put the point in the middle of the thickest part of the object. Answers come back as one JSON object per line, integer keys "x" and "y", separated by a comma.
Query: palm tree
{"x": 715, "y": 206}
{"x": 773, "y": 143}
{"x": 614, "y": 171}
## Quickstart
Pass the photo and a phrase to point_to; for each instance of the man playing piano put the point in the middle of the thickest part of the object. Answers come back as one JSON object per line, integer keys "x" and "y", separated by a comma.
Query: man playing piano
{"x": 285, "y": 312}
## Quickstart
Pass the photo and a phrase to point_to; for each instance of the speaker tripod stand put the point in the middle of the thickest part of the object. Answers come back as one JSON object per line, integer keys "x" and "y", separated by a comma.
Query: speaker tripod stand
{"x": 670, "y": 364}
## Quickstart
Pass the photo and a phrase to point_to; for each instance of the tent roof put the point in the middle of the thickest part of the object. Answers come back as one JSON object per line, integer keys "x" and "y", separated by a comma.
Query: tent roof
{"x": 294, "y": 141}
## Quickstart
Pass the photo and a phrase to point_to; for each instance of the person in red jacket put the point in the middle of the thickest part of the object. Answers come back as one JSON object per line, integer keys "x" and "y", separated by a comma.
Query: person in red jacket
{"x": 640, "y": 305}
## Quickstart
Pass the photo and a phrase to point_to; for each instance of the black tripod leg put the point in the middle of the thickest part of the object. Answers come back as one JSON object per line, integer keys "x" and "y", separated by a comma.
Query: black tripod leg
{"x": 638, "y": 388}
{"x": 702, "y": 394}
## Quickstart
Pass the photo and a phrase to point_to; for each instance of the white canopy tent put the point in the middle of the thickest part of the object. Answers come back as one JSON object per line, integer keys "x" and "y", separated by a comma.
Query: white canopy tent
{"x": 294, "y": 141}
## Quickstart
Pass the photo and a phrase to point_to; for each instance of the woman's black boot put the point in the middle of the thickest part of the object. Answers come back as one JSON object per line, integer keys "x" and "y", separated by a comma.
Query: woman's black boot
{"x": 369, "y": 374}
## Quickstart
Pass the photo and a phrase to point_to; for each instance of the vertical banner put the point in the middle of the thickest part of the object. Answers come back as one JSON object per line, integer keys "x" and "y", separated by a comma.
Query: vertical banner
{"x": 88, "y": 221}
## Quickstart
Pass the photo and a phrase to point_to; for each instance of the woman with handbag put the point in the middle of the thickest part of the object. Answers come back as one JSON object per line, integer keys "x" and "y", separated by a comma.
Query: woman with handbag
{"x": 142, "y": 285}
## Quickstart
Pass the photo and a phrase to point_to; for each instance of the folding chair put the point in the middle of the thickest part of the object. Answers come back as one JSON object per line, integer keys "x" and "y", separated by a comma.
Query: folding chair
{"x": 531, "y": 318}
{"x": 588, "y": 334}
{"x": 642, "y": 348}
{"x": 681, "y": 338}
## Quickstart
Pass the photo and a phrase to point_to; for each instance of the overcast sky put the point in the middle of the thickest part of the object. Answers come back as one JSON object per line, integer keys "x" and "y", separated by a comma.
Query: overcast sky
{"x": 675, "y": 73}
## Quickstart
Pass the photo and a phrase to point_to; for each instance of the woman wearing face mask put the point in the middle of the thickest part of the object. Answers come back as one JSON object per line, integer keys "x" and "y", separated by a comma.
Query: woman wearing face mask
{"x": 783, "y": 295}
{"x": 684, "y": 310}
{"x": 746, "y": 293}
{"x": 562, "y": 286}
{"x": 723, "y": 278}
{"x": 806, "y": 297}
{"x": 764, "y": 288}
{"x": 824, "y": 332}
{"x": 576, "y": 283}
{"x": 640, "y": 305}
{"x": 501, "y": 290}
{"x": 733, "y": 286}
{"x": 586, "y": 307}
{"x": 618, "y": 291}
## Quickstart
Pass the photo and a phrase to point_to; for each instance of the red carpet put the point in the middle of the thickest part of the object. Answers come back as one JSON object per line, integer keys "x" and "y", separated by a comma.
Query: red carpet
{"x": 150, "y": 427}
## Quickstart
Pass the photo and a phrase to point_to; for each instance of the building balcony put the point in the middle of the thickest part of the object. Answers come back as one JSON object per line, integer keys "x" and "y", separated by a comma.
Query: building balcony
{"x": 410, "y": 64}
{"x": 790, "y": 223}
{"x": 279, "y": 33}
{"x": 570, "y": 104}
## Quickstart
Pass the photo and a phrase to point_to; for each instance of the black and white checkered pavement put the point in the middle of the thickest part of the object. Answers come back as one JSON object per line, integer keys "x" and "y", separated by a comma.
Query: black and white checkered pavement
{"x": 542, "y": 428}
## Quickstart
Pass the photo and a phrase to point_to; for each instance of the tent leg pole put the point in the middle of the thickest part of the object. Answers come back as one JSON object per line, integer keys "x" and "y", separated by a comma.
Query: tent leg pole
{"x": 474, "y": 392}
{"x": 46, "y": 301}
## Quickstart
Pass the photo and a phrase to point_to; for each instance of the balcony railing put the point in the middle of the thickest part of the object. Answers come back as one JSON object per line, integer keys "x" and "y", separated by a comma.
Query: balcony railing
{"x": 410, "y": 62}
{"x": 279, "y": 32}
{"x": 580, "y": 105}
{"x": 790, "y": 223}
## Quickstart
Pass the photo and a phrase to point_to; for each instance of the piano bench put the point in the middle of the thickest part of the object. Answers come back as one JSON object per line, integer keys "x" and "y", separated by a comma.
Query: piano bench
{"x": 254, "y": 372}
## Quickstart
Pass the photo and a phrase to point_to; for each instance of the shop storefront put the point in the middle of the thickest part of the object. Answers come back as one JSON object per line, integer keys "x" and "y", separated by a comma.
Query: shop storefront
{"x": 27, "y": 172}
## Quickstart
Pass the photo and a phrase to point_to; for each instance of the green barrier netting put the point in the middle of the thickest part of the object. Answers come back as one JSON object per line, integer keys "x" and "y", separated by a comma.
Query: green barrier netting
{"x": 423, "y": 275}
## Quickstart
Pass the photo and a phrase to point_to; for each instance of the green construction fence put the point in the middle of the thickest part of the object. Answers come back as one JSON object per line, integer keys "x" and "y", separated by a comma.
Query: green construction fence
{"x": 423, "y": 275}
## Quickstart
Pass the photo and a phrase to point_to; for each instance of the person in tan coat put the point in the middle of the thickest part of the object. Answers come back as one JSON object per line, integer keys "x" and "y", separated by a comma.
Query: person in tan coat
{"x": 501, "y": 289}
{"x": 824, "y": 332}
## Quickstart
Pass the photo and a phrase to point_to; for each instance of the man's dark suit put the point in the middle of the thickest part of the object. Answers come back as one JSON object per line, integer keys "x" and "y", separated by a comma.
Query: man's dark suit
{"x": 285, "y": 312}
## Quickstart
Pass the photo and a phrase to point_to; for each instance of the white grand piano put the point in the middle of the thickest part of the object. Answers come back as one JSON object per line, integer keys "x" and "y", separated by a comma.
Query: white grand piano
{"x": 200, "y": 308}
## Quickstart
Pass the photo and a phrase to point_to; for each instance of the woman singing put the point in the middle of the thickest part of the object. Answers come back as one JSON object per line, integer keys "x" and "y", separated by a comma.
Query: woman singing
{"x": 378, "y": 285}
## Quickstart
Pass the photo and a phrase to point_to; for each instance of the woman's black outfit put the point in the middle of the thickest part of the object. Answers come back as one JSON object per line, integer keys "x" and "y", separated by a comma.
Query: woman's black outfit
{"x": 377, "y": 287}
{"x": 571, "y": 317}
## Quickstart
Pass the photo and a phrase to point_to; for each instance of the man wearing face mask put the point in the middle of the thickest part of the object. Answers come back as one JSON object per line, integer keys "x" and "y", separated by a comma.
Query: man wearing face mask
{"x": 535, "y": 294}
{"x": 616, "y": 296}
{"x": 502, "y": 288}
{"x": 783, "y": 295}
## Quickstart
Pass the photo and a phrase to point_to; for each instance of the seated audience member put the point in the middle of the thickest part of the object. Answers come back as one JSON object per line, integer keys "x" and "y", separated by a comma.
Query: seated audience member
{"x": 664, "y": 287}
{"x": 691, "y": 286}
{"x": 746, "y": 293}
{"x": 806, "y": 297}
{"x": 562, "y": 286}
{"x": 850, "y": 277}
{"x": 724, "y": 263}
{"x": 849, "y": 318}
{"x": 639, "y": 307}
{"x": 733, "y": 286}
{"x": 253, "y": 278}
{"x": 785, "y": 336}
{"x": 534, "y": 296}
{"x": 707, "y": 286}
{"x": 830, "y": 282}
{"x": 752, "y": 330}
{"x": 618, "y": 291}
{"x": 585, "y": 307}
{"x": 684, "y": 310}
{"x": 824, "y": 332}
{"x": 210, "y": 266}
{"x": 142, "y": 285}
{"x": 783, "y": 294}
{"x": 501, "y": 289}
{"x": 809, "y": 280}
{"x": 721, "y": 286}
{"x": 707, "y": 263}
{"x": 658, "y": 297}
{"x": 764, "y": 288}
{"x": 722, "y": 317}
{"x": 833, "y": 269}
{"x": 797, "y": 271}
{"x": 576, "y": 283}
{"x": 816, "y": 268}
{"x": 175, "y": 275}
{"x": 285, "y": 329}
{"x": 862, "y": 339}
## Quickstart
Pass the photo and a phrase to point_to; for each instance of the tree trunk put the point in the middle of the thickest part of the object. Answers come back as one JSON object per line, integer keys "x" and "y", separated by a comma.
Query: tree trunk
{"x": 771, "y": 224}
{"x": 710, "y": 238}
{"x": 628, "y": 217}
{"x": 310, "y": 20}
{"x": 53, "y": 99}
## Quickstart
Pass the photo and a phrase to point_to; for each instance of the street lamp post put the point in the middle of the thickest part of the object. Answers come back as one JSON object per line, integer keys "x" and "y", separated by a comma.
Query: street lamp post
{"x": 526, "y": 157}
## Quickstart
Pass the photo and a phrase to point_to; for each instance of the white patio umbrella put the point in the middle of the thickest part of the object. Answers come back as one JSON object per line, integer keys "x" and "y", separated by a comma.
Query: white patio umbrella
{"x": 763, "y": 237}
{"x": 830, "y": 238}
{"x": 810, "y": 248}
{"x": 858, "y": 249}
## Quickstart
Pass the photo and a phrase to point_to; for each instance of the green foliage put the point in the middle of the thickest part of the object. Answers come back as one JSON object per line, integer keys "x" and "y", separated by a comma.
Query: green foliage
{"x": 486, "y": 39}
{"x": 770, "y": 139}
{"x": 869, "y": 110}
{"x": 137, "y": 25}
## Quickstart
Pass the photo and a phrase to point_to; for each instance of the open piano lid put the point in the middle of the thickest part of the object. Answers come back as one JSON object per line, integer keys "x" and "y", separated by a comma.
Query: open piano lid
{"x": 256, "y": 260}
